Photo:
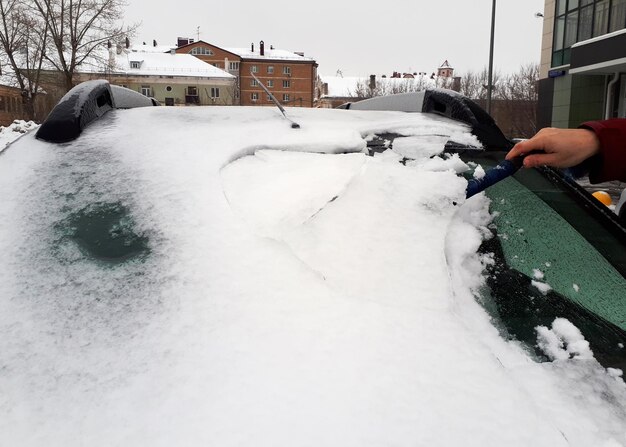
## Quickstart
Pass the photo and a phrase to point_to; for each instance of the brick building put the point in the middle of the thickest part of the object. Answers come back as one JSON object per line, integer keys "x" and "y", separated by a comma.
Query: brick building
{"x": 289, "y": 76}
{"x": 10, "y": 105}
{"x": 11, "y": 101}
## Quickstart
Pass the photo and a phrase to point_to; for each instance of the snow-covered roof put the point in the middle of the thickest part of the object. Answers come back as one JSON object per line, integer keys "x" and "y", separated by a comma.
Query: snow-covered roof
{"x": 144, "y": 48}
{"x": 269, "y": 54}
{"x": 275, "y": 296}
{"x": 157, "y": 63}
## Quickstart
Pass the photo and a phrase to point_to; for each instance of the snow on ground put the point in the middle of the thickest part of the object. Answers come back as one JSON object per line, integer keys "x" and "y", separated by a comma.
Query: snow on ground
{"x": 13, "y": 131}
{"x": 296, "y": 292}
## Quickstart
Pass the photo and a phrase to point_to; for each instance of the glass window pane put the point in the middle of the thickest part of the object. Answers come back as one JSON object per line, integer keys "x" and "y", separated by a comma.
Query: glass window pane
{"x": 560, "y": 7}
{"x": 586, "y": 2}
{"x": 586, "y": 23}
{"x": 571, "y": 29}
{"x": 573, "y": 4}
{"x": 557, "y": 58}
{"x": 601, "y": 20}
{"x": 618, "y": 15}
{"x": 559, "y": 32}
{"x": 567, "y": 56}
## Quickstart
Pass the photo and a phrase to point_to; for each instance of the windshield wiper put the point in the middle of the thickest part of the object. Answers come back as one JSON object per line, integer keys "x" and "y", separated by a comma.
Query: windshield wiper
{"x": 294, "y": 125}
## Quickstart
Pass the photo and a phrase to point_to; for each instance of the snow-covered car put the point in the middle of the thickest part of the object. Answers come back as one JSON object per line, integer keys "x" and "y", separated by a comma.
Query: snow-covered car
{"x": 217, "y": 276}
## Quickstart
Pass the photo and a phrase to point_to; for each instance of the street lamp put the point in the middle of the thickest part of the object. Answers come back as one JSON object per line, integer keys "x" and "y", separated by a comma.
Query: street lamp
{"x": 490, "y": 80}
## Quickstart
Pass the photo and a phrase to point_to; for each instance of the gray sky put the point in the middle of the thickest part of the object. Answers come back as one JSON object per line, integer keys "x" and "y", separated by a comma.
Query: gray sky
{"x": 351, "y": 35}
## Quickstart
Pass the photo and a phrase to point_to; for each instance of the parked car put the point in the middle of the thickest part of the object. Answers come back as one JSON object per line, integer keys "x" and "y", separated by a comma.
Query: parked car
{"x": 218, "y": 276}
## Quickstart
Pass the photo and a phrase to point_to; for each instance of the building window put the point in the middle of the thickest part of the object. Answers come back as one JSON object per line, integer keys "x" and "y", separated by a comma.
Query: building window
{"x": 601, "y": 19}
{"x": 201, "y": 51}
{"x": 269, "y": 98}
{"x": 135, "y": 64}
{"x": 254, "y": 83}
{"x": 285, "y": 98}
{"x": 254, "y": 96}
{"x": 270, "y": 83}
{"x": 618, "y": 15}
{"x": 233, "y": 66}
{"x": 146, "y": 90}
{"x": 169, "y": 101}
{"x": 286, "y": 84}
{"x": 287, "y": 70}
{"x": 192, "y": 91}
{"x": 254, "y": 69}
{"x": 215, "y": 92}
{"x": 270, "y": 69}
{"x": 168, "y": 88}
{"x": 579, "y": 20}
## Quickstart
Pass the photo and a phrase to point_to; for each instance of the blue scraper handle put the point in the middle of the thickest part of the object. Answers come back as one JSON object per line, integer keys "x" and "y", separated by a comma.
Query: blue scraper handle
{"x": 501, "y": 171}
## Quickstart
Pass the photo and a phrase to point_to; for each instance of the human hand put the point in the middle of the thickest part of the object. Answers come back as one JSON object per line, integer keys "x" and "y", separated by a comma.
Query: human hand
{"x": 563, "y": 148}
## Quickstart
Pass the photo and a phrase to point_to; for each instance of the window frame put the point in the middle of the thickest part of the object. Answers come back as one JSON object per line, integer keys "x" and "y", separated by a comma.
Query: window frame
{"x": 586, "y": 16}
{"x": 201, "y": 51}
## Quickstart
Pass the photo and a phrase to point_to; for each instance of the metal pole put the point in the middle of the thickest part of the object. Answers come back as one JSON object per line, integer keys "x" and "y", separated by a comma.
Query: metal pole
{"x": 490, "y": 81}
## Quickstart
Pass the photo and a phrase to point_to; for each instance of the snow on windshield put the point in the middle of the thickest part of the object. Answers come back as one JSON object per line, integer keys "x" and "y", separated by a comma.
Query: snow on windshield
{"x": 274, "y": 286}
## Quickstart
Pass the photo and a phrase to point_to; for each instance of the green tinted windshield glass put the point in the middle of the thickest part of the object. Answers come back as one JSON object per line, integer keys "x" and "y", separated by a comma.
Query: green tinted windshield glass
{"x": 557, "y": 253}
{"x": 539, "y": 243}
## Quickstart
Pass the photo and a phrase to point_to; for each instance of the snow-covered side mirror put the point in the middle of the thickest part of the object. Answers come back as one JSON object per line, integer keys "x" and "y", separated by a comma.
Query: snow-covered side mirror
{"x": 84, "y": 104}
{"x": 80, "y": 106}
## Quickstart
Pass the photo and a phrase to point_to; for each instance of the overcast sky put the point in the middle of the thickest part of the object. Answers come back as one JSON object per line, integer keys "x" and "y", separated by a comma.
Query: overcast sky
{"x": 354, "y": 36}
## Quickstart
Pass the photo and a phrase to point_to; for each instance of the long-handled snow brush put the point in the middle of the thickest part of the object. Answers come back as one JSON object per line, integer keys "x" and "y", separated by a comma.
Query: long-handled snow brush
{"x": 492, "y": 176}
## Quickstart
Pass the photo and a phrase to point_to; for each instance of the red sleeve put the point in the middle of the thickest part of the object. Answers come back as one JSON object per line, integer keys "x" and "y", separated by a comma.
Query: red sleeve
{"x": 610, "y": 163}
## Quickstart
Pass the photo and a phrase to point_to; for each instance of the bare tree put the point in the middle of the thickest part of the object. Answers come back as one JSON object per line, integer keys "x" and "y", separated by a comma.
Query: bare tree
{"x": 520, "y": 95}
{"x": 23, "y": 37}
{"x": 388, "y": 86}
{"x": 474, "y": 84}
{"x": 78, "y": 28}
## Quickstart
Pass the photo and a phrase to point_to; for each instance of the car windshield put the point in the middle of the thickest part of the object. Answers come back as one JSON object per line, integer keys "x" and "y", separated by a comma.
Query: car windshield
{"x": 557, "y": 255}
{"x": 213, "y": 276}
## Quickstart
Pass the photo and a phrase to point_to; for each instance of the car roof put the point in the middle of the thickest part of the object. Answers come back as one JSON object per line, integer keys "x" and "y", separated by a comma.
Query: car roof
{"x": 214, "y": 276}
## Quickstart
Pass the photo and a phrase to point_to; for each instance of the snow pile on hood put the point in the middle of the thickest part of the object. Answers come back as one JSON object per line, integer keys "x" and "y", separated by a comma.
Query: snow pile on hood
{"x": 292, "y": 291}
{"x": 14, "y": 130}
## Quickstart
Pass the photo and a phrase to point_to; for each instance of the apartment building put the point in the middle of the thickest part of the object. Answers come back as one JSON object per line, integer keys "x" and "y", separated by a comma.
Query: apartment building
{"x": 289, "y": 76}
{"x": 161, "y": 73}
{"x": 583, "y": 62}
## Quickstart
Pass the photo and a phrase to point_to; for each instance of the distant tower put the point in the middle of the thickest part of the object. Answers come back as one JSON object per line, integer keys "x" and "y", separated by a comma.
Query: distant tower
{"x": 446, "y": 70}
